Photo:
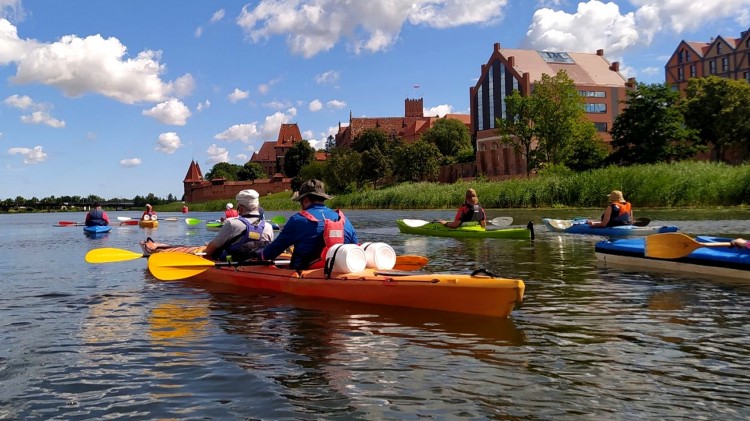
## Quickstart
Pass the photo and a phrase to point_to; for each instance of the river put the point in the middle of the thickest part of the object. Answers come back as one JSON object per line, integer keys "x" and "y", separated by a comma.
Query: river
{"x": 109, "y": 341}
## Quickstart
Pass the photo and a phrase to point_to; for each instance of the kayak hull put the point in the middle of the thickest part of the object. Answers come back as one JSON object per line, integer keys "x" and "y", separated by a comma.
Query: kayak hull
{"x": 475, "y": 231}
{"x": 458, "y": 293}
{"x": 97, "y": 229}
{"x": 580, "y": 227}
{"x": 712, "y": 261}
{"x": 148, "y": 224}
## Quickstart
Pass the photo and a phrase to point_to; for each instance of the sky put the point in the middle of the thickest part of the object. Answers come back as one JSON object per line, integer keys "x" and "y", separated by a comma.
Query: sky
{"x": 116, "y": 98}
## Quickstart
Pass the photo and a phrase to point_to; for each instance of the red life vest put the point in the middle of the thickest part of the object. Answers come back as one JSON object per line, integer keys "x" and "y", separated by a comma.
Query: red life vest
{"x": 333, "y": 233}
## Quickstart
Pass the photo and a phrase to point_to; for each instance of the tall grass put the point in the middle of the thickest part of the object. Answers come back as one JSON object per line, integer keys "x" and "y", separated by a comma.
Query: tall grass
{"x": 683, "y": 185}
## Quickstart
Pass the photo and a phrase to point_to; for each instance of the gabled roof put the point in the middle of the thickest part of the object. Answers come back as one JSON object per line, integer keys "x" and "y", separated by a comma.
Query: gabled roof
{"x": 194, "y": 173}
{"x": 288, "y": 135}
{"x": 266, "y": 152}
{"x": 700, "y": 48}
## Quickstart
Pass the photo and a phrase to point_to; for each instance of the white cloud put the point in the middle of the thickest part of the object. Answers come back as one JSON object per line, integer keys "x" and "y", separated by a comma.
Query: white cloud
{"x": 90, "y": 136}
{"x": 198, "y": 32}
{"x": 307, "y": 134}
{"x": 168, "y": 143}
{"x": 242, "y": 157}
{"x": 130, "y": 162}
{"x": 92, "y": 64}
{"x": 652, "y": 70}
{"x": 203, "y": 105}
{"x": 12, "y": 9}
{"x": 271, "y": 126}
{"x": 217, "y": 16}
{"x": 330, "y": 77}
{"x": 335, "y": 103}
{"x": 172, "y": 112}
{"x": 183, "y": 85}
{"x": 264, "y": 88}
{"x": 42, "y": 117}
{"x": 217, "y": 154}
{"x": 20, "y": 102}
{"x": 440, "y": 110}
{"x": 237, "y": 95}
{"x": 34, "y": 155}
{"x": 315, "y": 105}
{"x": 277, "y": 105}
{"x": 243, "y": 132}
{"x": 314, "y": 26}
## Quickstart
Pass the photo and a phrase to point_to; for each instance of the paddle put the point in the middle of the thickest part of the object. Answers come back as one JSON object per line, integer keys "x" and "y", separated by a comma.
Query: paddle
{"x": 641, "y": 222}
{"x": 192, "y": 221}
{"x": 674, "y": 245}
{"x": 124, "y": 218}
{"x": 109, "y": 255}
{"x": 278, "y": 220}
{"x": 410, "y": 262}
{"x": 500, "y": 221}
{"x": 63, "y": 223}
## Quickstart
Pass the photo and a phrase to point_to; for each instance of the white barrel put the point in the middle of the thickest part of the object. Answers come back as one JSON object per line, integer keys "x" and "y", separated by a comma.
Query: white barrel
{"x": 146, "y": 217}
{"x": 379, "y": 255}
{"x": 347, "y": 258}
{"x": 153, "y": 217}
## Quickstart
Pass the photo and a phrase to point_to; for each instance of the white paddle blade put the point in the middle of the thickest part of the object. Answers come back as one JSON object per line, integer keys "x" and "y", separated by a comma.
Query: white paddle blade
{"x": 415, "y": 222}
{"x": 501, "y": 221}
{"x": 124, "y": 218}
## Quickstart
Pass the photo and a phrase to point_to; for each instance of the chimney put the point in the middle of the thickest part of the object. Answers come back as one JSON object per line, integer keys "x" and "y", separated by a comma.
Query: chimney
{"x": 615, "y": 67}
{"x": 512, "y": 62}
{"x": 497, "y": 46}
{"x": 483, "y": 66}
{"x": 600, "y": 52}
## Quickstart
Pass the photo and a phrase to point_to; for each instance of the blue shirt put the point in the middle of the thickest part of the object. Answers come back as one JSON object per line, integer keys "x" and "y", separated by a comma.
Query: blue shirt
{"x": 306, "y": 236}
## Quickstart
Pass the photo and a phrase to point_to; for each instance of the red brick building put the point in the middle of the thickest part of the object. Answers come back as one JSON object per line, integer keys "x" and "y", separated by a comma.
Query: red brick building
{"x": 598, "y": 81}
{"x": 721, "y": 56}
{"x": 197, "y": 189}
{"x": 271, "y": 154}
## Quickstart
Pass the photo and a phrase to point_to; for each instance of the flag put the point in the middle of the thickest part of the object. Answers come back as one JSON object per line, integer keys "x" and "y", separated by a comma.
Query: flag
{"x": 416, "y": 86}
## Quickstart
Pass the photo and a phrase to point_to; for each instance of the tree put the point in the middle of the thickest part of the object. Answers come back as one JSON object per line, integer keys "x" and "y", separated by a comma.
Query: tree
{"x": 299, "y": 155}
{"x": 342, "y": 170}
{"x": 371, "y": 138}
{"x": 330, "y": 144}
{"x": 418, "y": 161}
{"x": 251, "y": 171}
{"x": 586, "y": 151}
{"x": 224, "y": 170}
{"x": 378, "y": 166}
{"x": 719, "y": 109}
{"x": 652, "y": 128}
{"x": 315, "y": 169}
{"x": 451, "y": 136}
{"x": 517, "y": 129}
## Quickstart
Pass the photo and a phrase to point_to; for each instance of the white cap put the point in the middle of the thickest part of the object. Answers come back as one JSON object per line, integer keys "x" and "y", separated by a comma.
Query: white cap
{"x": 248, "y": 198}
{"x": 230, "y": 206}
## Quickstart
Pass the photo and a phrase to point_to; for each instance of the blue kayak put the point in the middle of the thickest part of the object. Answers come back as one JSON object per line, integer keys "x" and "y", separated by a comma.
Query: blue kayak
{"x": 579, "y": 226}
{"x": 97, "y": 229}
{"x": 713, "y": 261}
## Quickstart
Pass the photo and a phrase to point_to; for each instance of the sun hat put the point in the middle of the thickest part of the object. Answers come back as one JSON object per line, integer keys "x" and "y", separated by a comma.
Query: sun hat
{"x": 616, "y": 196}
{"x": 248, "y": 198}
{"x": 230, "y": 206}
{"x": 311, "y": 187}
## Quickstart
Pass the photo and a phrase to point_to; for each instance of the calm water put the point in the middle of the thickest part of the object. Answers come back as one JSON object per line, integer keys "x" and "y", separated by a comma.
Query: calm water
{"x": 108, "y": 341}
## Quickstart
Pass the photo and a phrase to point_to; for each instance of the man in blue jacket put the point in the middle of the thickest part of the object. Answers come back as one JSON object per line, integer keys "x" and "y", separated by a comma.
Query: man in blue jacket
{"x": 312, "y": 230}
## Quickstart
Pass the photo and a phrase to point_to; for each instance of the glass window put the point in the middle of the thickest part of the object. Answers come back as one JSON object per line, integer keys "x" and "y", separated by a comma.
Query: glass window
{"x": 592, "y": 94}
{"x": 687, "y": 55}
{"x": 725, "y": 64}
{"x": 718, "y": 48}
{"x": 600, "y": 127}
{"x": 712, "y": 67}
{"x": 692, "y": 71}
{"x": 480, "y": 109}
{"x": 679, "y": 57}
{"x": 680, "y": 74}
{"x": 595, "y": 108}
{"x": 491, "y": 92}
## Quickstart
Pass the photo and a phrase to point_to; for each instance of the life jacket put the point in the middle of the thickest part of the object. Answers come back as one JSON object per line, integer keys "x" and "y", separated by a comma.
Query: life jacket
{"x": 333, "y": 233}
{"x": 96, "y": 218}
{"x": 620, "y": 214}
{"x": 231, "y": 213}
{"x": 474, "y": 213}
{"x": 242, "y": 247}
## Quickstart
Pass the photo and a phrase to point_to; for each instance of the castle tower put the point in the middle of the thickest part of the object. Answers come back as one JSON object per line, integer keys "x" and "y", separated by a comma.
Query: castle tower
{"x": 413, "y": 108}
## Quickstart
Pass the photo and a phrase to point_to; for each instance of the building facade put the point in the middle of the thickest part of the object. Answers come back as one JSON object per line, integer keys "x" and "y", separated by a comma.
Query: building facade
{"x": 198, "y": 189}
{"x": 598, "y": 81}
{"x": 721, "y": 56}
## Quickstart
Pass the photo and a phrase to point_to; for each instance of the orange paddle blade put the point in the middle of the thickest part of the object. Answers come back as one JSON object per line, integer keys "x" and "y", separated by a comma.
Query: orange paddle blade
{"x": 410, "y": 262}
{"x": 674, "y": 245}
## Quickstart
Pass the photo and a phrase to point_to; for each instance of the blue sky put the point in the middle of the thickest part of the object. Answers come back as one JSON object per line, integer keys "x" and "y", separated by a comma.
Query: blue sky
{"x": 115, "y": 98}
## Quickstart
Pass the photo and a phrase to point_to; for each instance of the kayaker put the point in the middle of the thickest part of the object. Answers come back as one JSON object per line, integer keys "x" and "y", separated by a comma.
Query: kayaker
{"x": 97, "y": 217}
{"x": 311, "y": 231}
{"x": 469, "y": 211}
{"x": 149, "y": 214}
{"x": 618, "y": 213}
{"x": 230, "y": 212}
{"x": 240, "y": 237}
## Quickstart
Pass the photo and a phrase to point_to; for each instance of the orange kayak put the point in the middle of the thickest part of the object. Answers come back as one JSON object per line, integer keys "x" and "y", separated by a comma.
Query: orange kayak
{"x": 478, "y": 293}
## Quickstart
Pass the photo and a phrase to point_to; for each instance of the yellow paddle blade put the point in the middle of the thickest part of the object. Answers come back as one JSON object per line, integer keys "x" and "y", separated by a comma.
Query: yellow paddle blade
{"x": 173, "y": 266}
{"x": 673, "y": 245}
{"x": 109, "y": 255}
{"x": 410, "y": 262}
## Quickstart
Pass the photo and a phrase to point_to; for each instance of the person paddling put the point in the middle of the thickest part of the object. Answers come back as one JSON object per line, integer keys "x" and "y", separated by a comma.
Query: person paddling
{"x": 618, "y": 213}
{"x": 97, "y": 217}
{"x": 470, "y": 211}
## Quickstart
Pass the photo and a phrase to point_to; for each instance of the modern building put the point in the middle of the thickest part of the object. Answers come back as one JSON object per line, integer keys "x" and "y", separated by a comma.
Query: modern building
{"x": 598, "y": 81}
{"x": 721, "y": 56}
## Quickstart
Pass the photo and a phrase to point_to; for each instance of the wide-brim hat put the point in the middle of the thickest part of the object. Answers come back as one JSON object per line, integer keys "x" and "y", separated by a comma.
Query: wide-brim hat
{"x": 311, "y": 187}
{"x": 616, "y": 196}
{"x": 248, "y": 198}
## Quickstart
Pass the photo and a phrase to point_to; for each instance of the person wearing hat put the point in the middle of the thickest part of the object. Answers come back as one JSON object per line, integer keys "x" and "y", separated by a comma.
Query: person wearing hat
{"x": 469, "y": 211}
{"x": 311, "y": 231}
{"x": 230, "y": 212}
{"x": 96, "y": 217}
{"x": 619, "y": 212}
{"x": 240, "y": 237}
{"x": 149, "y": 213}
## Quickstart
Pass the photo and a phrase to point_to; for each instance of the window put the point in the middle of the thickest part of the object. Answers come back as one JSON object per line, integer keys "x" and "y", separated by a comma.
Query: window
{"x": 595, "y": 108}
{"x": 679, "y": 57}
{"x": 491, "y": 91}
{"x": 746, "y": 76}
{"x": 687, "y": 55}
{"x": 718, "y": 48}
{"x": 600, "y": 127}
{"x": 480, "y": 109}
{"x": 592, "y": 94}
{"x": 712, "y": 67}
{"x": 725, "y": 64}
{"x": 692, "y": 71}
{"x": 553, "y": 57}
{"x": 680, "y": 73}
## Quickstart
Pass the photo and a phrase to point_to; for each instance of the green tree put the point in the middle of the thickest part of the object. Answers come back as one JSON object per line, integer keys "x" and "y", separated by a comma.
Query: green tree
{"x": 558, "y": 113}
{"x": 343, "y": 170}
{"x": 224, "y": 170}
{"x": 517, "y": 129}
{"x": 251, "y": 171}
{"x": 652, "y": 128}
{"x": 719, "y": 109}
{"x": 315, "y": 169}
{"x": 378, "y": 166}
{"x": 451, "y": 136}
{"x": 586, "y": 151}
{"x": 418, "y": 161}
{"x": 299, "y": 155}
{"x": 371, "y": 138}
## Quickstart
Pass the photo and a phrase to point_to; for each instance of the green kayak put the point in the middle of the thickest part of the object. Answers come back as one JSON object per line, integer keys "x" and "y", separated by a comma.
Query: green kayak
{"x": 466, "y": 230}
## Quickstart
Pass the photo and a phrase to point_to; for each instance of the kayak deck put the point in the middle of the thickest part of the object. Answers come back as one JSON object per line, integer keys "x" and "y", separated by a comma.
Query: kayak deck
{"x": 569, "y": 226}
{"x": 478, "y": 294}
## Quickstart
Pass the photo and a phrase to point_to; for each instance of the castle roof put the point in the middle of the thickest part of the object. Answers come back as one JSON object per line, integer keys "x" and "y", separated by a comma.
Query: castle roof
{"x": 194, "y": 173}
